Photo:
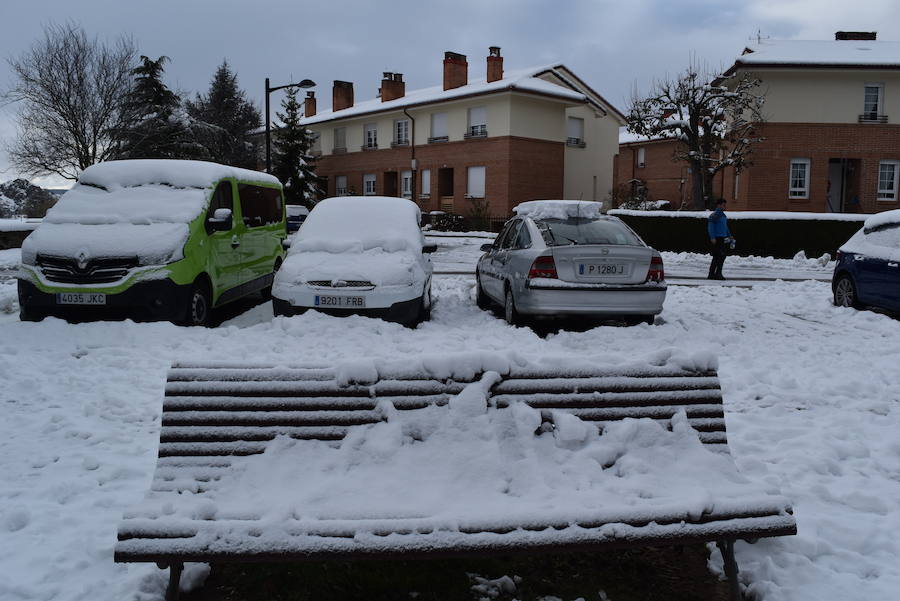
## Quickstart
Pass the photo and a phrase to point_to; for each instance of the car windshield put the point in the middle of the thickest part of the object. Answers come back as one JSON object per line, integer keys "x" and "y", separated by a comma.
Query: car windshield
{"x": 574, "y": 230}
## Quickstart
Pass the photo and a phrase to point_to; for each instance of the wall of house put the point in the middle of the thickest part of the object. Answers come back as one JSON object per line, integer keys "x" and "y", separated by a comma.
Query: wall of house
{"x": 825, "y": 95}
{"x": 589, "y": 170}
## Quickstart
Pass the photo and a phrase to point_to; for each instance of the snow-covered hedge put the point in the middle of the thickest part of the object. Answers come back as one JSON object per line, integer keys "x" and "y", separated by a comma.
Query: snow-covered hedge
{"x": 762, "y": 233}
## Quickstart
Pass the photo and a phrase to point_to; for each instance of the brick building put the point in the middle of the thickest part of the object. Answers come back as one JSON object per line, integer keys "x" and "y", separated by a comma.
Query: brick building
{"x": 506, "y": 138}
{"x": 832, "y": 131}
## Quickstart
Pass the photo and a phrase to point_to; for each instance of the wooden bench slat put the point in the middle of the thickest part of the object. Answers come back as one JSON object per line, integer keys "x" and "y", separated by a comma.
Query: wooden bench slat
{"x": 270, "y": 418}
{"x": 241, "y": 403}
{"x": 277, "y": 388}
{"x": 604, "y": 385}
{"x": 625, "y": 399}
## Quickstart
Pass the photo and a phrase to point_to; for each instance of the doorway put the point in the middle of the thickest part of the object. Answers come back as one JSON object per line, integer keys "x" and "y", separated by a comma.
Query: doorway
{"x": 843, "y": 186}
{"x": 445, "y": 188}
{"x": 390, "y": 183}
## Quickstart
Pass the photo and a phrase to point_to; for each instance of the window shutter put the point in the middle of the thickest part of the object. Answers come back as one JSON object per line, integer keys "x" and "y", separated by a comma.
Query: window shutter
{"x": 439, "y": 125}
{"x": 477, "y": 116}
{"x": 576, "y": 128}
{"x": 475, "y": 187}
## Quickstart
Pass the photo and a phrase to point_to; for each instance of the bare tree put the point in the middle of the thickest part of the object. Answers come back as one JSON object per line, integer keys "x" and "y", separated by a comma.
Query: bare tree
{"x": 713, "y": 117}
{"x": 71, "y": 89}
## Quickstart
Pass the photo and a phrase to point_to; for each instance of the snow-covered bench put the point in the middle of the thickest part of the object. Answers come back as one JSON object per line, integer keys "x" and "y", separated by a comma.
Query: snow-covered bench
{"x": 415, "y": 459}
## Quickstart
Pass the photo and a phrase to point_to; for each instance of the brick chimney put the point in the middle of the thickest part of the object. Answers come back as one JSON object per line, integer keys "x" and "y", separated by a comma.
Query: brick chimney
{"x": 392, "y": 86}
{"x": 855, "y": 35}
{"x": 309, "y": 104}
{"x": 341, "y": 95}
{"x": 494, "y": 64}
{"x": 456, "y": 70}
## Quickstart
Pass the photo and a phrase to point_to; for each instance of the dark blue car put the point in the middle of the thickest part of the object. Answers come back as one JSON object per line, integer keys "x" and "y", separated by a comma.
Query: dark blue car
{"x": 868, "y": 266}
{"x": 296, "y": 215}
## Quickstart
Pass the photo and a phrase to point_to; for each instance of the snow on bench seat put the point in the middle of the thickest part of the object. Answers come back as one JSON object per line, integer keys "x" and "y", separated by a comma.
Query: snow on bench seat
{"x": 424, "y": 458}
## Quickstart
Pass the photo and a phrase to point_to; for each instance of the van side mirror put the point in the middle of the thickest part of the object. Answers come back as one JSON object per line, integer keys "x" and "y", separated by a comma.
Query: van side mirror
{"x": 286, "y": 243}
{"x": 486, "y": 248}
{"x": 427, "y": 249}
{"x": 220, "y": 220}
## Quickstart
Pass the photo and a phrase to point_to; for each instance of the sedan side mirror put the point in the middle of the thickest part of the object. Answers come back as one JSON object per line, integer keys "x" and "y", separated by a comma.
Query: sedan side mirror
{"x": 286, "y": 243}
{"x": 427, "y": 249}
{"x": 486, "y": 248}
{"x": 220, "y": 220}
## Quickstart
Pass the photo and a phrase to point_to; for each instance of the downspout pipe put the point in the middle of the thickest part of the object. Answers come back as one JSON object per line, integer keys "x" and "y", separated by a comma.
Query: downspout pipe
{"x": 412, "y": 157}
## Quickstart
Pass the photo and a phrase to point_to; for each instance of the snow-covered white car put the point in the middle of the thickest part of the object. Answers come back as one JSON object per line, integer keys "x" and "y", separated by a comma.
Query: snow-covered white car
{"x": 562, "y": 257}
{"x": 358, "y": 255}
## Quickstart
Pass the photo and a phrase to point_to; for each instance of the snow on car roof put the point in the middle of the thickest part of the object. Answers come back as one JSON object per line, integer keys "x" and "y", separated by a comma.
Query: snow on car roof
{"x": 558, "y": 209}
{"x": 882, "y": 219}
{"x": 357, "y": 223}
{"x": 173, "y": 172}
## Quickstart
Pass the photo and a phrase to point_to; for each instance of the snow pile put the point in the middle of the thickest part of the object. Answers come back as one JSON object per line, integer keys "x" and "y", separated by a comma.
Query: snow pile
{"x": 112, "y": 175}
{"x": 370, "y": 238}
{"x": 558, "y": 209}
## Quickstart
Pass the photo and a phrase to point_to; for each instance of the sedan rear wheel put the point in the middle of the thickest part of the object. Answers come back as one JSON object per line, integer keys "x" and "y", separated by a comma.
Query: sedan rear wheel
{"x": 481, "y": 299}
{"x": 509, "y": 309}
{"x": 845, "y": 293}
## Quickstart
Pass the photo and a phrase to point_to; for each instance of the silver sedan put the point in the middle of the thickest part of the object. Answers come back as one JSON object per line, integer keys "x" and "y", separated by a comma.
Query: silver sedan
{"x": 553, "y": 263}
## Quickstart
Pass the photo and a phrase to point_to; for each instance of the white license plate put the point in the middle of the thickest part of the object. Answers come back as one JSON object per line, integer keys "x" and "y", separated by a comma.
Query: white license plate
{"x": 80, "y": 298}
{"x": 603, "y": 269}
{"x": 341, "y": 302}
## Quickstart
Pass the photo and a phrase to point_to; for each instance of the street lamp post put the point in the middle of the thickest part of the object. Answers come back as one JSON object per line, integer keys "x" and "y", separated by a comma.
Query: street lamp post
{"x": 306, "y": 83}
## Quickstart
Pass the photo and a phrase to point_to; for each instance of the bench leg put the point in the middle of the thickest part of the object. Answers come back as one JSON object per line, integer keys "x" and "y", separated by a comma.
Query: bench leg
{"x": 172, "y": 591}
{"x": 731, "y": 569}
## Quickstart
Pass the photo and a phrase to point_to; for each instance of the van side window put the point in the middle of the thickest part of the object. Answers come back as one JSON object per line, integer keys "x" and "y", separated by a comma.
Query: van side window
{"x": 259, "y": 205}
{"x": 221, "y": 199}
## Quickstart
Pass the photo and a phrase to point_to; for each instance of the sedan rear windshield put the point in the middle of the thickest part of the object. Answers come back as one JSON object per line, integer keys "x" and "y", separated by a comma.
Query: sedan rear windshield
{"x": 574, "y": 230}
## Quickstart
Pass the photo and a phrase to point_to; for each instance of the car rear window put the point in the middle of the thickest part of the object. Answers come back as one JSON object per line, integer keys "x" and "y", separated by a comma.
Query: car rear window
{"x": 888, "y": 236}
{"x": 565, "y": 232}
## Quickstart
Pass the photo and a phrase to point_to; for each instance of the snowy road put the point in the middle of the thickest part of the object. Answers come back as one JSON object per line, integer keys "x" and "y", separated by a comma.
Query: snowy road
{"x": 812, "y": 399}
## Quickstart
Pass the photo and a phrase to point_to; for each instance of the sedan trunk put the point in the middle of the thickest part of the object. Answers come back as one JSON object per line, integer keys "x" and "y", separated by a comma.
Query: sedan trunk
{"x": 602, "y": 263}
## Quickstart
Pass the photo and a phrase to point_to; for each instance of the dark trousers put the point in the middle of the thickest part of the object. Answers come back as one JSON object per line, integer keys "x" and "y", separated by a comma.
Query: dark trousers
{"x": 719, "y": 251}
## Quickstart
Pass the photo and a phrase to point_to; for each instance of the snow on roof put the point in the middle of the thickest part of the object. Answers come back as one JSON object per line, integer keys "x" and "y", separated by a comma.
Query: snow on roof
{"x": 558, "y": 209}
{"x": 522, "y": 79}
{"x": 821, "y": 52}
{"x": 176, "y": 173}
{"x": 627, "y": 137}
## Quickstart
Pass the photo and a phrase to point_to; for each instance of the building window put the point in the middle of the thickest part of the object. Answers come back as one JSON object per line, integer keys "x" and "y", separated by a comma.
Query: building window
{"x": 425, "y": 192}
{"x": 369, "y": 184}
{"x": 406, "y": 184}
{"x": 371, "y": 136}
{"x": 873, "y": 101}
{"x": 475, "y": 185}
{"x": 340, "y": 139}
{"x": 438, "y": 128}
{"x": 340, "y": 185}
{"x": 575, "y": 132}
{"x": 799, "y": 180}
{"x": 401, "y": 132}
{"x": 641, "y": 157}
{"x": 477, "y": 122}
{"x": 887, "y": 180}
{"x": 316, "y": 148}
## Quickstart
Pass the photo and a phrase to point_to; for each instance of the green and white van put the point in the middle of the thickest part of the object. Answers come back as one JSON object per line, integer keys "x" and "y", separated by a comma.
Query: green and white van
{"x": 154, "y": 239}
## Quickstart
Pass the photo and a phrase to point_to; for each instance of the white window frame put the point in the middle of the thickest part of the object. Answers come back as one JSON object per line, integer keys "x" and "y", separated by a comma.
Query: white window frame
{"x": 406, "y": 184}
{"x": 879, "y": 108}
{"x": 888, "y": 194}
{"x": 340, "y": 138}
{"x": 798, "y": 193}
{"x": 575, "y": 131}
{"x": 425, "y": 191}
{"x": 477, "y": 122}
{"x": 439, "y": 127}
{"x": 642, "y": 157}
{"x": 476, "y": 181}
{"x": 340, "y": 185}
{"x": 369, "y": 184}
{"x": 370, "y": 135}
{"x": 401, "y": 132}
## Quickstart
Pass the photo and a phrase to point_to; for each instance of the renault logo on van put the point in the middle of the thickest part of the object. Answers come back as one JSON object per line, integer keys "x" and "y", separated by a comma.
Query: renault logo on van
{"x": 82, "y": 259}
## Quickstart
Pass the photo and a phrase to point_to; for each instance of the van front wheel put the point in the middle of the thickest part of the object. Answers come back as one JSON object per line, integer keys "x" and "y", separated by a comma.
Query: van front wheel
{"x": 198, "y": 307}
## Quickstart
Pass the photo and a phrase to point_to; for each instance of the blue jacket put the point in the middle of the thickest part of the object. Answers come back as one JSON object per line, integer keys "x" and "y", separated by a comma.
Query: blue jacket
{"x": 717, "y": 225}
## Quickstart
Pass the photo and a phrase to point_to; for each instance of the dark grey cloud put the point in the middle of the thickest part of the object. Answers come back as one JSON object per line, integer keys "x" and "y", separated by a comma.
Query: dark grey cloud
{"x": 613, "y": 45}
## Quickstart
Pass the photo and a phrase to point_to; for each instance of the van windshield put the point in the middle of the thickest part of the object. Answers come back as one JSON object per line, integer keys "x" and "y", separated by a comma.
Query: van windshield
{"x": 575, "y": 230}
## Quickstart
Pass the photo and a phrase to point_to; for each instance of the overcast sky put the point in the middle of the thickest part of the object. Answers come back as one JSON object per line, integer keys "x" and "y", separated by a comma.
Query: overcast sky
{"x": 612, "y": 45}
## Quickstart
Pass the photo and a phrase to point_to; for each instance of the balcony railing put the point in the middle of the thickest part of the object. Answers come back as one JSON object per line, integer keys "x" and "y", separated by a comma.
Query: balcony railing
{"x": 400, "y": 143}
{"x": 437, "y": 139}
{"x": 873, "y": 118}
{"x": 339, "y": 150}
{"x": 373, "y": 146}
{"x": 476, "y": 131}
{"x": 575, "y": 142}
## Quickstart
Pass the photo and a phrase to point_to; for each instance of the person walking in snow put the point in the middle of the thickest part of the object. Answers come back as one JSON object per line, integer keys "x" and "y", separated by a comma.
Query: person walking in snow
{"x": 720, "y": 238}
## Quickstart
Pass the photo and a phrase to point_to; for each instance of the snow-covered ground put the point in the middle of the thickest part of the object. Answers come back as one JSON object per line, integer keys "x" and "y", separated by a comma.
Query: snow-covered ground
{"x": 812, "y": 398}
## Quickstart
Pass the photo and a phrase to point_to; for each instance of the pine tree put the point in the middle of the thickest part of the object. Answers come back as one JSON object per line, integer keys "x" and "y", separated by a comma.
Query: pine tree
{"x": 292, "y": 162}
{"x": 226, "y": 107}
{"x": 154, "y": 124}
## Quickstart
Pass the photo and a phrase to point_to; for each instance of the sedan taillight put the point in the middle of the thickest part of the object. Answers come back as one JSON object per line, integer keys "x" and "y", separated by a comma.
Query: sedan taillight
{"x": 656, "y": 272}
{"x": 543, "y": 267}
